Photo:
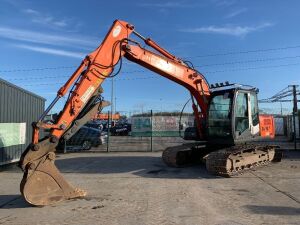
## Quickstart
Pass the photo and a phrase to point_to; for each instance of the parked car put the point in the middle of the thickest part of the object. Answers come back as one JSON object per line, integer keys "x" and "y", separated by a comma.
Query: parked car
{"x": 120, "y": 130}
{"x": 86, "y": 137}
{"x": 95, "y": 125}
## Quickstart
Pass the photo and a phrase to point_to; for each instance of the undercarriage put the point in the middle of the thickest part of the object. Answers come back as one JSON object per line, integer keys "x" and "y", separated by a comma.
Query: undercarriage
{"x": 225, "y": 162}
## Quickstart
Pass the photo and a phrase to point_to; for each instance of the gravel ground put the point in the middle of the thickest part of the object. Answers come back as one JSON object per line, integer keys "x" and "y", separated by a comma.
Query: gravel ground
{"x": 137, "y": 188}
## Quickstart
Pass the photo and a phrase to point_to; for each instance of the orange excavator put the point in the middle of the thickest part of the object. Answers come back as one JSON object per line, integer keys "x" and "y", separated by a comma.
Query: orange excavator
{"x": 226, "y": 117}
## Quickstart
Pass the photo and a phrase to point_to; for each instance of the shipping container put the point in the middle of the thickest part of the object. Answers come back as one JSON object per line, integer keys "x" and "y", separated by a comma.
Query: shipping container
{"x": 18, "y": 109}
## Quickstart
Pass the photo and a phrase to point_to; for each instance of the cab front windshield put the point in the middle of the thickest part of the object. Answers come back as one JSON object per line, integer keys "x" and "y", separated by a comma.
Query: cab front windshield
{"x": 219, "y": 115}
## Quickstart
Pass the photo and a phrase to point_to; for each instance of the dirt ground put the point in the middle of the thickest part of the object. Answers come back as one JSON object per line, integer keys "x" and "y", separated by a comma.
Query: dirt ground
{"x": 137, "y": 188}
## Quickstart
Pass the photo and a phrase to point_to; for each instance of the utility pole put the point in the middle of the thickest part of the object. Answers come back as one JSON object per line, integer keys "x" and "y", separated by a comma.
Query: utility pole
{"x": 115, "y": 95}
{"x": 115, "y": 104}
{"x": 112, "y": 97}
{"x": 151, "y": 137}
{"x": 295, "y": 111}
{"x": 108, "y": 131}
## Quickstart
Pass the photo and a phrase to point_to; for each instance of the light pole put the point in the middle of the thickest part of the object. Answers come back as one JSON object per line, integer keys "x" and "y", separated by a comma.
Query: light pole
{"x": 112, "y": 97}
{"x": 295, "y": 111}
{"x": 115, "y": 104}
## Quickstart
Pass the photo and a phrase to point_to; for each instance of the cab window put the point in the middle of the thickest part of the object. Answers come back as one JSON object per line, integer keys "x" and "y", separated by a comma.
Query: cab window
{"x": 254, "y": 109}
{"x": 241, "y": 113}
{"x": 219, "y": 115}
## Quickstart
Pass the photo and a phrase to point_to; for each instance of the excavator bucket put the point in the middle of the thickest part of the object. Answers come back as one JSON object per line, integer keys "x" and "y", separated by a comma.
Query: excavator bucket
{"x": 43, "y": 184}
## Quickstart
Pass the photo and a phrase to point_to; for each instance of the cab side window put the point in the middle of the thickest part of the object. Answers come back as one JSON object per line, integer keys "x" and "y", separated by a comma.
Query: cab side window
{"x": 241, "y": 113}
{"x": 254, "y": 109}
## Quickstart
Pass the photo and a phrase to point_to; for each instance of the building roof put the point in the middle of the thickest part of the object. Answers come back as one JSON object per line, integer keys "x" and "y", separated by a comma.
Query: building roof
{"x": 21, "y": 89}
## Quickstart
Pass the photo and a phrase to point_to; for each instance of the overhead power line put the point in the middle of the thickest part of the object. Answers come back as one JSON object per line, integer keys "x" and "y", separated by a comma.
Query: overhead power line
{"x": 204, "y": 65}
{"x": 142, "y": 71}
{"x": 61, "y": 83}
{"x": 37, "y": 69}
{"x": 282, "y": 95}
{"x": 43, "y": 68}
{"x": 250, "y": 61}
{"x": 250, "y": 68}
{"x": 245, "y": 52}
{"x": 38, "y": 78}
{"x": 195, "y": 56}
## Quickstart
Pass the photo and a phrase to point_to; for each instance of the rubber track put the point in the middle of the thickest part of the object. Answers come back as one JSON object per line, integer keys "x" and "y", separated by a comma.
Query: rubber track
{"x": 178, "y": 156}
{"x": 216, "y": 161}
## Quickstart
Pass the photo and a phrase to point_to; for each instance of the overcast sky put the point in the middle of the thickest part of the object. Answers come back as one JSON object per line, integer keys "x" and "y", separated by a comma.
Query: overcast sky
{"x": 249, "y": 42}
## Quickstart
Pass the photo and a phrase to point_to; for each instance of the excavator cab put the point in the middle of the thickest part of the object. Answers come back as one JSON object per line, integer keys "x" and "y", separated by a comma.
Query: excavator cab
{"x": 232, "y": 115}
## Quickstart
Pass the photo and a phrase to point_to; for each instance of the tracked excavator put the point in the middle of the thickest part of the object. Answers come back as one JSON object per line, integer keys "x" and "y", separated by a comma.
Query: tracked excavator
{"x": 226, "y": 116}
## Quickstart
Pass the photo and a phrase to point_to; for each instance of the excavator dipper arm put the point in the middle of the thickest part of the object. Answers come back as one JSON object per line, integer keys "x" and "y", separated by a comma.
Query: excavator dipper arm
{"x": 42, "y": 183}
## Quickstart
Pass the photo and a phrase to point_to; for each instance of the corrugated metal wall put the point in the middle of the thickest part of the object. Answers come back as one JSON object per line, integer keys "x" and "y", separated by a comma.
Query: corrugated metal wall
{"x": 18, "y": 106}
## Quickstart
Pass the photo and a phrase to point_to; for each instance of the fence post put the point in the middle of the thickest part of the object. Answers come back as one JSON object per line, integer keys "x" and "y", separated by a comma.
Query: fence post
{"x": 108, "y": 127}
{"x": 151, "y": 139}
{"x": 65, "y": 146}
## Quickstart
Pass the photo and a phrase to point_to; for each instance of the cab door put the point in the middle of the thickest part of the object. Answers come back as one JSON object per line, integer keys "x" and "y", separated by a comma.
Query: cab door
{"x": 245, "y": 121}
{"x": 254, "y": 116}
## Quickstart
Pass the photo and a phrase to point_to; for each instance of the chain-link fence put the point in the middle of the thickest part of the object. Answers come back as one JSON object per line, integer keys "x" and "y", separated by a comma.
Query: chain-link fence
{"x": 286, "y": 127}
{"x": 134, "y": 131}
{"x": 150, "y": 130}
